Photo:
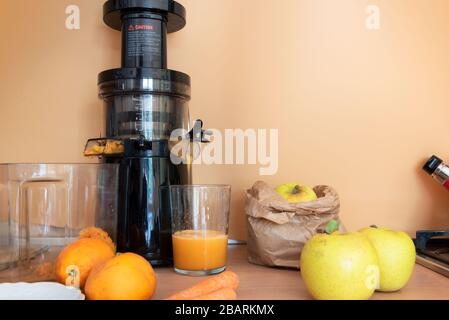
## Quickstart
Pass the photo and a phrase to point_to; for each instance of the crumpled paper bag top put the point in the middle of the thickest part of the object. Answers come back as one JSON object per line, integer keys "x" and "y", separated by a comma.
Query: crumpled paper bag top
{"x": 264, "y": 202}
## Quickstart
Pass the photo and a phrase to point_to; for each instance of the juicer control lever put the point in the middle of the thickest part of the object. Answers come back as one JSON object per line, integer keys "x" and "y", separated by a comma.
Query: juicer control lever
{"x": 197, "y": 134}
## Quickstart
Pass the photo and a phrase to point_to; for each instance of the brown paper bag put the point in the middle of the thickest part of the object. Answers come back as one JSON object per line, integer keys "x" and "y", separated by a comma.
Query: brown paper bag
{"x": 278, "y": 230}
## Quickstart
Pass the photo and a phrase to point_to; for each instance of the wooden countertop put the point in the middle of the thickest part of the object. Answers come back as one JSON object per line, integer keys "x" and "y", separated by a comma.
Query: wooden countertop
{"x": 262, "y": 283}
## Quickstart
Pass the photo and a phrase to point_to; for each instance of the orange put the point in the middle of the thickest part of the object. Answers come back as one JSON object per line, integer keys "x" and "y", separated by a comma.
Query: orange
{"x": 77, "y": 259}
{"x": 128, "y": 276}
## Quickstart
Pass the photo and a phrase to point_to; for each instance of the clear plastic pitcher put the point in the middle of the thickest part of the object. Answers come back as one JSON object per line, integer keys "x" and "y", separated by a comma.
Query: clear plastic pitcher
{"x": 43, "y": 207}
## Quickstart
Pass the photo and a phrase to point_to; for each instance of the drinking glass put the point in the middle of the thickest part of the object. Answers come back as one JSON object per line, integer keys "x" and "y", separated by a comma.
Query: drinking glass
{"x": 200, "y": 224}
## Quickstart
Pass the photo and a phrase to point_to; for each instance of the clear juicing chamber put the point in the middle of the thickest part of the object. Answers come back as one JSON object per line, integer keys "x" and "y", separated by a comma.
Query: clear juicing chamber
{"x": 150, "y": 106}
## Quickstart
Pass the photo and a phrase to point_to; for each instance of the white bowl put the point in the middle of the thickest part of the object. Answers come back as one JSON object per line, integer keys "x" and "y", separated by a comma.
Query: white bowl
{"x": 38, "y": 291}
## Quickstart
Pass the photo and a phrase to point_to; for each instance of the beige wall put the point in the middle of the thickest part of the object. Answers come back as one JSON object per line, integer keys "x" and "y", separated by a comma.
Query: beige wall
{"x": 356, "y": 109}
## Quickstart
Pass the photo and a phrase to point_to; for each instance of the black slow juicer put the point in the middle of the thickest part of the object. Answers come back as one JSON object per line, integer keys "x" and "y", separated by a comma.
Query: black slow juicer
{"x": 144, "y": 102}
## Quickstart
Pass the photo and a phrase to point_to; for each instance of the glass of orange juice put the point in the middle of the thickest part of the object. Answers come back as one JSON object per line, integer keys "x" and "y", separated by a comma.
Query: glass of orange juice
{"x": 200, "y": 223}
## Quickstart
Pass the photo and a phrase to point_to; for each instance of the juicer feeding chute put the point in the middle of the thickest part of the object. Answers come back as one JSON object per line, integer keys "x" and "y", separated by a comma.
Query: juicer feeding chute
{"x": 166, "y": 16}
{"x": 144, "y": 103}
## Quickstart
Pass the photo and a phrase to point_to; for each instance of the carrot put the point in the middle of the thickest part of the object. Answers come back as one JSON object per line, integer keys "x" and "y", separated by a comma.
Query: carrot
{"x": 222, "y": 294}
{"x": 227, "y": 279}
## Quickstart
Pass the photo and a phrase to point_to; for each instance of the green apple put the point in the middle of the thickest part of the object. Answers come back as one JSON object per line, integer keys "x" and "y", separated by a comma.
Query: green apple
{"x": 340, "y": 267}
{"x": 396, "y": 253}
{"x": 296, "y": 192}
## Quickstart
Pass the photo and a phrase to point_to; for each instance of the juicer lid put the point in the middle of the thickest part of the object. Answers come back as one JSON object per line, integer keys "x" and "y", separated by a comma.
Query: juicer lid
{"x": 144, "y": 73}
{"x": 176, "y": 13}
{"x": 115, "y": 81}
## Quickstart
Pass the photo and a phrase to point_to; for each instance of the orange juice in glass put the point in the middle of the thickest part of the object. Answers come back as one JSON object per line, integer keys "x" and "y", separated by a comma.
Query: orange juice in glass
{"x": 200, "y": 219}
